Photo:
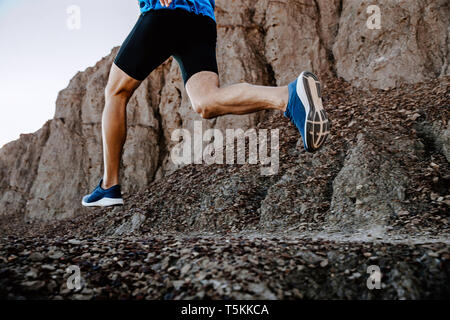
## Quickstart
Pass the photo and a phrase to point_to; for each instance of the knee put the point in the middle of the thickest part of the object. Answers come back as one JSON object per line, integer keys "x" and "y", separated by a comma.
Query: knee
{"x": 205, "y": 106}
{"x": 118, "y": 91}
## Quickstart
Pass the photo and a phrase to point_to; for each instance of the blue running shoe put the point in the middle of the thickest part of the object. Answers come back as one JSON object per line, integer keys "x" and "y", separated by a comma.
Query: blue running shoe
{"x": 103, "y": 198}
{"x": 306, "y": 111}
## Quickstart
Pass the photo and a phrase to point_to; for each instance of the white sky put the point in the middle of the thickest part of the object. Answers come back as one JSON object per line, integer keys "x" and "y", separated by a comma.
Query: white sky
{"x": 39, "y": 54}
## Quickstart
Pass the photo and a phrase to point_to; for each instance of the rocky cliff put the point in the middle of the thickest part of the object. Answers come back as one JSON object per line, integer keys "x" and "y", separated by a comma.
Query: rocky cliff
{"x": 379, "y": 187}
{"x": 263, "y": 42}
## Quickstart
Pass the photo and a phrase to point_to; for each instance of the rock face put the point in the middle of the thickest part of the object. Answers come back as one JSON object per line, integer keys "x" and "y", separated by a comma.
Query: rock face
{"x": 411, "y": 45}
{"x": 263, "y": 42}
{"x": 19, "y": 161}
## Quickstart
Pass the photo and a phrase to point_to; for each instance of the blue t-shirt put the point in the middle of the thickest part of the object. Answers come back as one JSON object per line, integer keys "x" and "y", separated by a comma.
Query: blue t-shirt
{"x": 204, "y": 7}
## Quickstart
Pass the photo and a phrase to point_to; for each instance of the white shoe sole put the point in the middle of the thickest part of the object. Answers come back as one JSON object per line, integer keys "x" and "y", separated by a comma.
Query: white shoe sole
{"x": 317, "y": 126}
{"x": 104, "y": 202}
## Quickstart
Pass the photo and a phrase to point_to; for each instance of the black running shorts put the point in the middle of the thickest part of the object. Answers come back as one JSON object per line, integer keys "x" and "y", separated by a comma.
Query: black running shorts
{"x": 158, "y": 34}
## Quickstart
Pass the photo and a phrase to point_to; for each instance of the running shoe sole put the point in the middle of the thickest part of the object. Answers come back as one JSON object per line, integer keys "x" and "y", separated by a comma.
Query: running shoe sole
{"x": 104, "y": 202}
{"x": 317, "y": 125}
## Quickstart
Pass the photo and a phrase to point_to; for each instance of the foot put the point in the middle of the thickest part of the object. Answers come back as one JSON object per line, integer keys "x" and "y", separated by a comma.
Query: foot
{"x": 103, "y": 197}
{"x": 306, "y": 111}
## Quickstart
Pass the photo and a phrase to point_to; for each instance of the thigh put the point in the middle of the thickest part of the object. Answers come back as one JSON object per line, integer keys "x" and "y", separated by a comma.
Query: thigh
{"x": 147, "y": 46}
{"x": 196, "y": 58}
{"x": 196, "y": 49}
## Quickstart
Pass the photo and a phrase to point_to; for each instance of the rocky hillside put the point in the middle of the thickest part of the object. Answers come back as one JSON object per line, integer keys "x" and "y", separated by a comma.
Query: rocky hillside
{"x": 261, "y": 42}
{"x": 376, "y": 194}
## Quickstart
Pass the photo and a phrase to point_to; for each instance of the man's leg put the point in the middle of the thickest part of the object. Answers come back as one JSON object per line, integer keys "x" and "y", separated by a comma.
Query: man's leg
{"x": 209, "y": 100}
{"x": 301, "y": 102}
{"x": 118, "y": 92}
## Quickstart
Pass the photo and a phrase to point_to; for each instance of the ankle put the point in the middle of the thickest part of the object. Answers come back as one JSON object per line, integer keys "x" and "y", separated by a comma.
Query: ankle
{"x": 284, "y": 98}
{"x": 106, "y": 184}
